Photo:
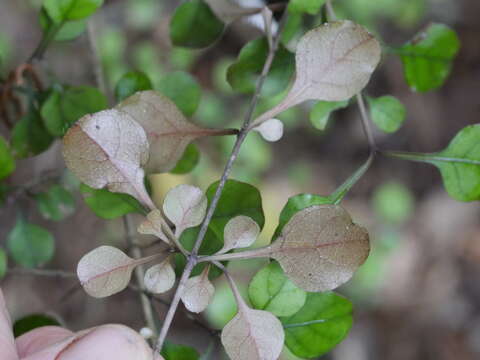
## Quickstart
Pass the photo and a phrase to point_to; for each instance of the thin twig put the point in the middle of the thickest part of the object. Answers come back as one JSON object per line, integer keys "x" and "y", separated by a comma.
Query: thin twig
{"x": 97, "y": 64}
{"x": 366, "y": 124}
{"x": 193, "y": 258}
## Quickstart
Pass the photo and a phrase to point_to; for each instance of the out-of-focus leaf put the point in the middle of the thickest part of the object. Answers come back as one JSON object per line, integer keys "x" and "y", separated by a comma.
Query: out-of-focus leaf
{"x": 179, "y": 352}
{"x": 272, "y": 291}
{"x": 3, "y": 263}
{"x": 311, "y": 7}
{"x": 69, "y": 30}
{"x": 7, "y": 162}
{"x": 322, "y": 323}
{"x": 321, "y": 111}
{"x": 56, "y": 203}
{"x": 188, "y": 161}
{"x": 33, "y": 321}
{"x": 62, "y": 109}
{"x": 183, "y": 90}
{"x": 30, "y": 245}
{"x": 428, "y": 58}
{"x": 63, "y": 10}
{"x": 108, "y": 205}
{"x": 29, "y": 136}
{"x": 242, "y": 75}
{"x": 195, "y": 25}
{"x": 393, "y": 202}
{"x": 387, "y": 112}
{"x": 130, "y": 83}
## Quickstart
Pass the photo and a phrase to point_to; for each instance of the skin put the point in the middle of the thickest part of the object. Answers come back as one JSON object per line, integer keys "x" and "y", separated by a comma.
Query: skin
{"x": 104, "y": 342}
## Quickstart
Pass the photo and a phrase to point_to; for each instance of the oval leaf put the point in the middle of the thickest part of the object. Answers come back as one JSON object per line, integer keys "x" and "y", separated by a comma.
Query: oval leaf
{"x": 198, "y": 292}
{"x": 108, "y": 149}
{"x": 185, "y": 206}
{"x": 160, "y": 278}
{"x": 272, "y": 291}
{"x": 240, "y": 232}
{"x": 320, "y": 248}
{"x": 106, "y": 270}
{"x": 388, "y": 113}
{"x": 253, "y": 335}
{"x": 271, "y": 130}
{"x": 153, "y": 226}
{"x": 168, "y": 131}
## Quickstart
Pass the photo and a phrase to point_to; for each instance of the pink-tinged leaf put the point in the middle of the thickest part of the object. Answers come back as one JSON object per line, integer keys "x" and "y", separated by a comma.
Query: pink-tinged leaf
{"x": 320, "y": 248}
{"x": 108, "y": 149}
{"x": 168, "y": 131}
{"x": 153, "y": 225}
{"x": 240, "y": 232}
{"x": 198, "y": 292}
{"x": 185, "y": 206}
{"x": 106, "y": 270}
{"x": 160, "y": 278}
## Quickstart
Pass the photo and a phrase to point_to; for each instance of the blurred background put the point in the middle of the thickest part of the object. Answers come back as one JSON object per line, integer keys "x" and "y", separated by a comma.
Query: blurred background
{"x": 418, "y": 294}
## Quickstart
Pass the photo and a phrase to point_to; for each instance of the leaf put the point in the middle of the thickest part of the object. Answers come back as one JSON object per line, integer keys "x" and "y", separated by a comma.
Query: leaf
{"x": 56, "y": 203}
{"x": 32, "y": 322}
{"x": 188, "y": 161}
{"x": 3, "y": 263}
{"x": 322, "y": 323}
{"x": 238, "y": 198}
{"x": 160, "y": 278}
{"x": 29, "y": 136}
{"x": 7, "y": 162}
{"x": 194, "y": 25}
{"x": 242, "y": 75}
{"x": 311, "y": 7}
{"x": 130, "y": 83}
{"x": 228, "y": 10}
{"x": 168, "y": 131}
{"x": 179, "y": 352}
{"x": 198, "y": 292}
{"x": 240, "y": 232}
{"x": 271, "y": 130}
{"x": 185, "y": 206}
{"x": 106, "y": 270}
{"x": 253, "y": 335}
{"x": 62, "y": 10}
{"x": 62, "y": 109}
{"x": 387, "y": 112}
{"x": 393, "y": 202}
{"x": 333, "y": 62}
{"x": 108, "y": 205}
{"x": 428, "y": 58}
{"x": 68, "y": 31}
{"x": 108, "y": 149}
{"x": 321, "y": 111}
{"x": 272, "y": 291}
{"x": 183, "y": 90}
{"x": 320, "y": 248}
{"x": 30, "y": 245}
{"x": 153, "y": 225}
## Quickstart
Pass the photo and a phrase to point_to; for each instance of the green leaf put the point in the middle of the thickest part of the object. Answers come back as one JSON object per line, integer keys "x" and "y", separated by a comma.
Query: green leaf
{"x": 3, "y": 263}
{"x": 63, "y": 10}
{"x": 109, "y": 205}
{"x": 183, "y": 90}
{"x": 297, "y": 203}
{"x": 189, "y": 160}
{"x": 194, "y": 25}
{"x": 33, "y": 321}
{"x": 56, "y": 203}
{"x": 68, "y": 31}
{"x": 387, "y": 112}
{"x": 130, "y": 83}
{"x": 242, "y": 75}
{"x": 272, "y": 291}
{"x": 7, "y": 162}
{"x": 322, "y": 323}
{"x": 29, "y": 136}
{"x": 311, "y": 7}
{"x": 428, "y": 58}
{"x": 321, "y": 111}
{"x": 30, "y": 245}
{"x": 237, "y": 198}
{"x": 62, "y": 109}
{"x": 393, "y": 202}
{"x": 179, "y": 352}
{"x": 459, "y": 163}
